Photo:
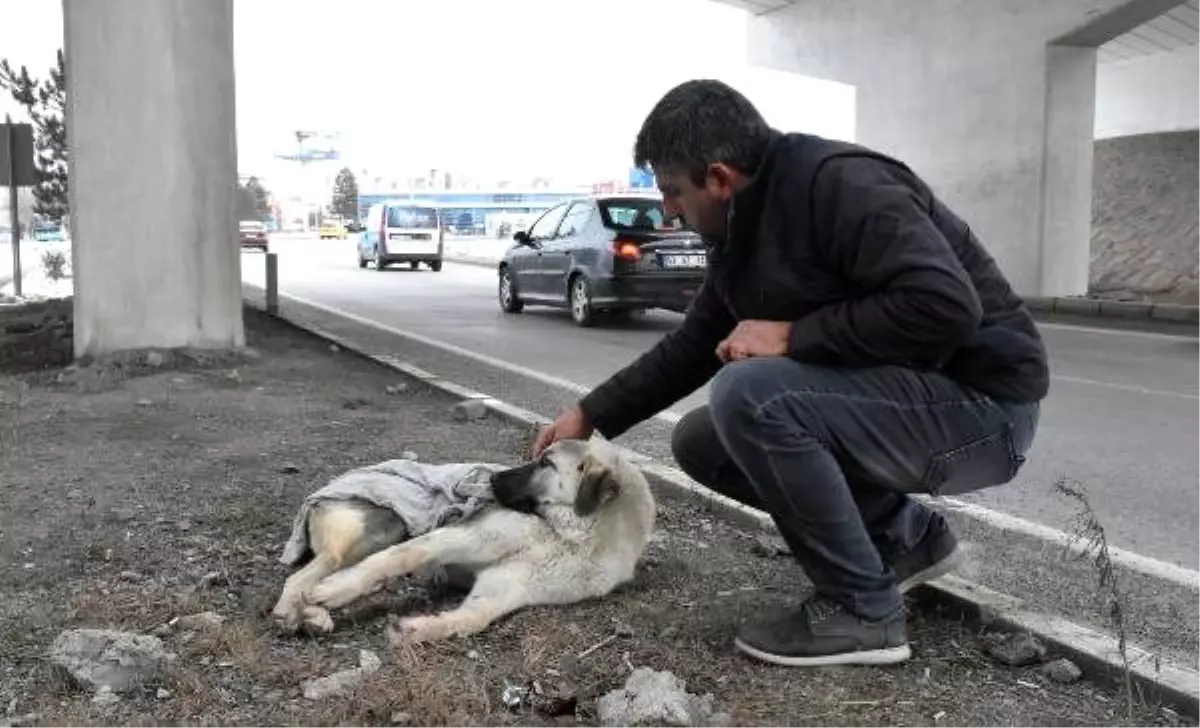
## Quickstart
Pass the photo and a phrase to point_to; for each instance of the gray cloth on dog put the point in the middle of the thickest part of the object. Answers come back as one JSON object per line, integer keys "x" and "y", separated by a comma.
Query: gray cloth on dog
{"x": 426, "y": 496}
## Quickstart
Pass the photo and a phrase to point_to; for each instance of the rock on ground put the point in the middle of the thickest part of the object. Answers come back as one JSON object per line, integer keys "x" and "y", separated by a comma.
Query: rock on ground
{"x": 342, "y": 680}
{"x": 1016, "y": 650}
{"x": 651, "y": 697}
{"x": 469, "y": 410}
{"x": 1062, "y": 670}
{"x": 108, "y": 659}
{"x": 203, "y": 620}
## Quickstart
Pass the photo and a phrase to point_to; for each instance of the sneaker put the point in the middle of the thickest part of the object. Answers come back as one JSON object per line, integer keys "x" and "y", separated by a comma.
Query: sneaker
{"x": 934, "y": 555}
{"x": 823, "y": 632}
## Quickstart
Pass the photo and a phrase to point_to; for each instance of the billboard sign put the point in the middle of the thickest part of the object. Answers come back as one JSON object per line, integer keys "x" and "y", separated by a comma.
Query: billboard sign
{"x": 311, "y": 146}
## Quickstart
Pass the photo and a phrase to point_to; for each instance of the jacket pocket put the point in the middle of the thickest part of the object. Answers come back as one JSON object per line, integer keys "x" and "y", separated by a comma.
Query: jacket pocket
{"x": 981, "y": 463}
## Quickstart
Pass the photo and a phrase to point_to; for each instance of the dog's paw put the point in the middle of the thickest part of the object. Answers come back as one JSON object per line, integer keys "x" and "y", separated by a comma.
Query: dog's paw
{"x": 339, "y": 589}
{"x": 317, "y": 620}
{"x": 412, "y": 630}
{"x": 287, "y": 617}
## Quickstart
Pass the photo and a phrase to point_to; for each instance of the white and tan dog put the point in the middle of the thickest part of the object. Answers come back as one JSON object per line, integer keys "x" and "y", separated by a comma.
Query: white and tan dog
{"x": 568, "y": 527}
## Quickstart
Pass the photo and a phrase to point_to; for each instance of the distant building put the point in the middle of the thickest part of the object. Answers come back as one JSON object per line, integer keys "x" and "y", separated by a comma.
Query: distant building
{"x": 468, "y": 211}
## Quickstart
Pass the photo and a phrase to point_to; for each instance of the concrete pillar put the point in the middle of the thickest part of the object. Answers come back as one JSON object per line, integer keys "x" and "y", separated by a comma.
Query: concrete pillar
{"x": 1066, "y": 235}
{"x": 153, "y": 154}
{"x": 983, "y": 99}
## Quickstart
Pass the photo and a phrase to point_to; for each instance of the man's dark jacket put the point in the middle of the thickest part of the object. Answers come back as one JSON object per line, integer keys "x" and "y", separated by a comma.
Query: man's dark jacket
{"x": 871, "y": 269}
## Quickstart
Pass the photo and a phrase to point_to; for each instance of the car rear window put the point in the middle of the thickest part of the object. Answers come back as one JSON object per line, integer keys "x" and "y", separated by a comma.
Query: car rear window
{"x": 635, "y": 214}
{"x": 412, "y": 217}
{"x": 251, "y": 226}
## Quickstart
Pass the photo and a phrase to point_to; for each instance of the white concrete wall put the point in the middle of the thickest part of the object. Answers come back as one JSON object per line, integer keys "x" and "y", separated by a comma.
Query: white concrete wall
{"x": 959, "y": 89}
{"x": 153, "y": 174}
{"x": 1147, "y": 95}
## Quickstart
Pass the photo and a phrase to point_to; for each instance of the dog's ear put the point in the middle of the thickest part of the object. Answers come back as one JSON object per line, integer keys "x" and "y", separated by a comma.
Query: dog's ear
{"x": 597, "y": 486}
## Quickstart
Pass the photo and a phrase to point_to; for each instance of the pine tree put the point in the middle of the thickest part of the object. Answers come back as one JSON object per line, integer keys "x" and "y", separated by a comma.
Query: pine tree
{"x": 253, "y": 200}
{"x": 345, "y": 195}
{"x": 45, "y": 103}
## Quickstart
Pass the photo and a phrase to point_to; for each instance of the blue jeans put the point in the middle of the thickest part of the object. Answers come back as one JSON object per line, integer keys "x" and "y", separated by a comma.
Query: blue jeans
{"x": 832, "y": 454}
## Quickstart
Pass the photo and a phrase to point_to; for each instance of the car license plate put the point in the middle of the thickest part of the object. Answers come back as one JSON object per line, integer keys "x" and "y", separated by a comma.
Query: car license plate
{"x": 684, "y": 260}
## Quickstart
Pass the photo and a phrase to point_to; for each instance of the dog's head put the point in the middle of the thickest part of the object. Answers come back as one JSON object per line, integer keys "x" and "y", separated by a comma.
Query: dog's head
{"x": 576, "y": 473}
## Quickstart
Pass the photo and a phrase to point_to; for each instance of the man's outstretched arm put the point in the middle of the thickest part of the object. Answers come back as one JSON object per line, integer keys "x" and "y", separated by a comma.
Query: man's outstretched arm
{"x": 676, "y": 366}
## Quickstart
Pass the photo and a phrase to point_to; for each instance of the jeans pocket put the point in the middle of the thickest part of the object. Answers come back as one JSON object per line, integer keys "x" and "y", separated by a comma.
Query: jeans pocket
{"x": 981, "y": 463}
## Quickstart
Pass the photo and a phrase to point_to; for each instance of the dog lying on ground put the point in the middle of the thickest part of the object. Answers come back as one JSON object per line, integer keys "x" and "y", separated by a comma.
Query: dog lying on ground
{"x": 568, "y": 527}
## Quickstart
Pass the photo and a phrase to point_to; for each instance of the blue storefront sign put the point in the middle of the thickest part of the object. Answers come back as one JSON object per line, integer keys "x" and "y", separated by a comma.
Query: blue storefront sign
{"x": 641, "y": 179}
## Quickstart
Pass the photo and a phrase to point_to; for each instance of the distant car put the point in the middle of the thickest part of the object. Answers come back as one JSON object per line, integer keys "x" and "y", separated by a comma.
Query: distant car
{"x": 603, "y": 254}
{"x": 332, "y": 230}
{"x": 402, "y": 232}
{"x": 253, "y": 234}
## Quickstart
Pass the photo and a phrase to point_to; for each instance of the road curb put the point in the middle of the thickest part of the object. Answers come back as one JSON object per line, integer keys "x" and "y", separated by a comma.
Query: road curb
{"x": 1096, "y": 653}
{"x": 1080, "y": 306}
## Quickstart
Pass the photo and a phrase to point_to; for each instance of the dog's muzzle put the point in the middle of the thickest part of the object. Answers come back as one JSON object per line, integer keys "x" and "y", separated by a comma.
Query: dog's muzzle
{"x": 511, "y": 488}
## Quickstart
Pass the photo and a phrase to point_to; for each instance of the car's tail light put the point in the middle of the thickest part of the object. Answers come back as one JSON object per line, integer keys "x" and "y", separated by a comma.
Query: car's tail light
{"x": 626, "y": 250}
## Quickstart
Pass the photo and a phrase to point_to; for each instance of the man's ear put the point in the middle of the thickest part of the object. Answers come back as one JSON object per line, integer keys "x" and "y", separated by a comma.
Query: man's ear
{"x": 721, "y": 180}
{"x": 597, "y": 486}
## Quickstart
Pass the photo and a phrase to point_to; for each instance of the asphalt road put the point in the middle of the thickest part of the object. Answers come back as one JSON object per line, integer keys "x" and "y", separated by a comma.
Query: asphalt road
{"x": 1121, "y": 418}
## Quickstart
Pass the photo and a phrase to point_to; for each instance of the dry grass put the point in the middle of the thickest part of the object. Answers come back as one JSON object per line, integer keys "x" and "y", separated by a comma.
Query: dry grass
{"x": 123, "y": 510}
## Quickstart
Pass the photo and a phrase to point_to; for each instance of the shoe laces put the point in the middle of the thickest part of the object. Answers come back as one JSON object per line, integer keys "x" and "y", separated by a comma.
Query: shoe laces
{"x": 818, "y": 609}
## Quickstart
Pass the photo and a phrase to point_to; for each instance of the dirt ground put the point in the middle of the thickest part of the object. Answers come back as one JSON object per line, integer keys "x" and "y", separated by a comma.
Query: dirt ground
{"x": 123, "y": 487}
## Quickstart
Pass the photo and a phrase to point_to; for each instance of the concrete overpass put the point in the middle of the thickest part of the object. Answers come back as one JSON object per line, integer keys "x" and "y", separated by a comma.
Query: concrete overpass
{"x": 994, "y": 102}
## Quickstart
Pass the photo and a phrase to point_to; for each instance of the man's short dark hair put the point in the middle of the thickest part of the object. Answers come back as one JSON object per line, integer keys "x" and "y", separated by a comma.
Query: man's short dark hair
{"x": 699, "y": 123}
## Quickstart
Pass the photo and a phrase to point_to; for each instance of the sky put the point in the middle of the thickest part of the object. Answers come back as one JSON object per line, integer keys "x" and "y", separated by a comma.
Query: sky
{"x": 491, "y": 88}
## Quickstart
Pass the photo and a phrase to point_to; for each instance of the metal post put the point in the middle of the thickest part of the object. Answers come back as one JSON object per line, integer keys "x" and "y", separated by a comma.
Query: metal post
{"x": 272, "y": 283}
{"x": 12, "y": 204}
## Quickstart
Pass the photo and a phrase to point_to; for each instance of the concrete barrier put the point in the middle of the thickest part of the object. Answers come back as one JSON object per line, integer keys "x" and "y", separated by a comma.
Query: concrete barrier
{"x": 1080, "y": 306}
{"x": 37, "y": 335}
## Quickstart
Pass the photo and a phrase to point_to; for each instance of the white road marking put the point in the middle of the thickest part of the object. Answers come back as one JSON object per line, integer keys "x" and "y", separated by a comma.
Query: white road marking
{"x": 1164, "y": 570}
{"x": 1144, "y": 564}
{"x": 668, "y": 416}
{"x": 1124, "y": 387}
{"x": 1115, "y": 332}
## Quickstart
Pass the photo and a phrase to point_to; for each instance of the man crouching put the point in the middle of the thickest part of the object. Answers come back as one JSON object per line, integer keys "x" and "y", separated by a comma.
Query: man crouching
{"x": 862, "y": 346}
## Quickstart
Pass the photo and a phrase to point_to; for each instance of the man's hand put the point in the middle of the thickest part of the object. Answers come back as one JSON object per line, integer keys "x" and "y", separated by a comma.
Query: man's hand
{"x": 755, "y": 338}
{"x": 570, "y": 425}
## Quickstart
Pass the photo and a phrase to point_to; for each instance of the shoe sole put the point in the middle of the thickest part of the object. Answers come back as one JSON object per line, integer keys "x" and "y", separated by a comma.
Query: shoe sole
{"x": 886, "y": 656}
{"x": 929, "y": 573}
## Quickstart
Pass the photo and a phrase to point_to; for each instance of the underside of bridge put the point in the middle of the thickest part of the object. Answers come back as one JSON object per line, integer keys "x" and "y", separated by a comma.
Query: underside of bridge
{"x": 993, "y": 102}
